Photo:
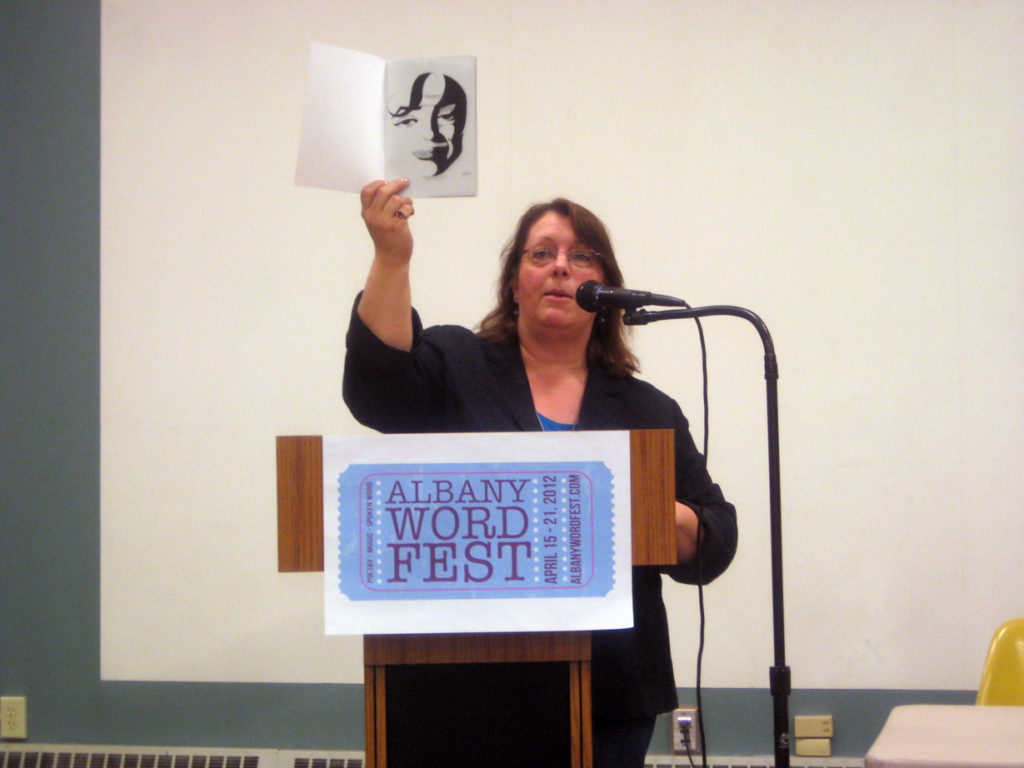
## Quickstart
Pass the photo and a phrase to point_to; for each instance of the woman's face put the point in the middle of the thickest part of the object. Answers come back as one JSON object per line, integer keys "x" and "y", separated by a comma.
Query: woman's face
{"x": 427, "y": 132}
{"x": 546, "y": 295}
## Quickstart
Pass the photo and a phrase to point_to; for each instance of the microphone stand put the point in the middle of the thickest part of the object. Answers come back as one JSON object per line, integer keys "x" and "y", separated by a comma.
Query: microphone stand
{"x": 779, "y": 674}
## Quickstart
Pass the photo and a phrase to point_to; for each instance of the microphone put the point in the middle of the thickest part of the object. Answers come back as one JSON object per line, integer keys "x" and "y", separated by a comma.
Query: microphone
{"x": 591, "y": 296}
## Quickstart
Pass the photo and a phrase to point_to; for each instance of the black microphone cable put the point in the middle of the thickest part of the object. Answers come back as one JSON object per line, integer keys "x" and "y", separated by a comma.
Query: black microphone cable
{"x": 702, "y": 618}
{"x": 592, "y": 296}
{"x": 699, "y": 554}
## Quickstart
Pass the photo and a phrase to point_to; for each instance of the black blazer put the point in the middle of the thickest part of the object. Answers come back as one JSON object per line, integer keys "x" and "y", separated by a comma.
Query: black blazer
{"x": 452, "y": 381}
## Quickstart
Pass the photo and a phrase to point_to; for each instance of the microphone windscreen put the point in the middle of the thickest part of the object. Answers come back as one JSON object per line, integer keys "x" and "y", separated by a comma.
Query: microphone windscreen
{"x": 586, "y": 295}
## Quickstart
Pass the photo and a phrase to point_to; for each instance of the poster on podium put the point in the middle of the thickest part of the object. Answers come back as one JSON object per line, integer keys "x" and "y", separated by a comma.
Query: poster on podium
{"x": 497, "y": 532}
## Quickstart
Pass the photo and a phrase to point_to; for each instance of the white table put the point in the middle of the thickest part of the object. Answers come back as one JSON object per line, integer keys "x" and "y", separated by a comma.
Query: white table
{"x": 943, "y": 736}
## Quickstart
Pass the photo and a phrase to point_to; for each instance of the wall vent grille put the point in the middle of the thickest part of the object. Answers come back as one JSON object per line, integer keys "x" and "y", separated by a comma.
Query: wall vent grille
{"x": 747, "y": 761}
{"x": 21, "y": 755}
{"x": 291, "y": 759}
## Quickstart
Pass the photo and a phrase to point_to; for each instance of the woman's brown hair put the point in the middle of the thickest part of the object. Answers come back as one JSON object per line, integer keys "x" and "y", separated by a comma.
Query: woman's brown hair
{"x": 607, "y": 348}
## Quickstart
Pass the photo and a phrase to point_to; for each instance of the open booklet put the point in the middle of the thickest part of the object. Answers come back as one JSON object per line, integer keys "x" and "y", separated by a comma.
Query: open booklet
{"x": 366, "y": 118}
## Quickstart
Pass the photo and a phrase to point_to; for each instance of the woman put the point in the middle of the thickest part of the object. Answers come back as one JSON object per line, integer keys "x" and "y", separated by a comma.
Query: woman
{"x": 539, "y": 361}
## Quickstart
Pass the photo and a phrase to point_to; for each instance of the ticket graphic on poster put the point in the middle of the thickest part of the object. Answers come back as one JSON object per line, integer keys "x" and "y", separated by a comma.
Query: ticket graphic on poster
{"x": 463, "y": 530}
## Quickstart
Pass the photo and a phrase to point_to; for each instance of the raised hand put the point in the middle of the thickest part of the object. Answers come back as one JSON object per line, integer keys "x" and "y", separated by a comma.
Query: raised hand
{"x": 386, "y": 214}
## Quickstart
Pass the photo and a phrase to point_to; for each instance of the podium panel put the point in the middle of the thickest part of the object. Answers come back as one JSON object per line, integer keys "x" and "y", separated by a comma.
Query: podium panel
{"x": 504, "y": 695}
{"x": 495, "y": 715}
{"x": 467, "y": 699}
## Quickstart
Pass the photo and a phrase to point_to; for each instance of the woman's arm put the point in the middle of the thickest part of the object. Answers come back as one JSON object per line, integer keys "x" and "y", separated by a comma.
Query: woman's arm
{"x": 686, "y": 534}
{"x": 696, "y": 490}
{"x": 386, "y": 303}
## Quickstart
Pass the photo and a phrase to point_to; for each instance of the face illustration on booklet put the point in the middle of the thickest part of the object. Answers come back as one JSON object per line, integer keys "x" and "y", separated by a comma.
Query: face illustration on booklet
{"x": 427, "y": 127}
{"x": 367, "y": 118}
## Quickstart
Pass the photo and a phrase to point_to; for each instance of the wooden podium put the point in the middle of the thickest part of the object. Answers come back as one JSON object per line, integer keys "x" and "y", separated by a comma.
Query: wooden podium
{"x": 395, "y": 665}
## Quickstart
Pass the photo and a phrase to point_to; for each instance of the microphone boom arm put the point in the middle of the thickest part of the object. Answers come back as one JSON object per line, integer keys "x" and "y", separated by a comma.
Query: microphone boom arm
{"x": 644, "y": 317}
{"x": 780, "y": 677}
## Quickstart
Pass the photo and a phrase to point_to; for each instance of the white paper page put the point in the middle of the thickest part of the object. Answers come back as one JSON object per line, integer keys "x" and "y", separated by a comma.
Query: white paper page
{"x": 340, "y": 146}
{"x": 614, "y": 609}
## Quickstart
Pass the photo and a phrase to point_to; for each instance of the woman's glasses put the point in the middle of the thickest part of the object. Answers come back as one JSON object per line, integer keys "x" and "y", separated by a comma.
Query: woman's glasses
{"x": 579, "y": 256}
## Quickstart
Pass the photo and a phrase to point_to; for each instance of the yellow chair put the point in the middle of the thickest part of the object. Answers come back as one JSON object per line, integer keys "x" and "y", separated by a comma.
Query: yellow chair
{"x": 1002, "y": 680}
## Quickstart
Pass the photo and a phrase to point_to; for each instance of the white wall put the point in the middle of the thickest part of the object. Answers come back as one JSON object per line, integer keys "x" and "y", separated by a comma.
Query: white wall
{"x": 851, "y": 171}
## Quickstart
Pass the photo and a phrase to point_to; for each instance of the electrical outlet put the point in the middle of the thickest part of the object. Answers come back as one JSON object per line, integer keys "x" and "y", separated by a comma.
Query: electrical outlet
{"x": 813, "y": 727}
{"x": 686, "y": 731}
{"x": 13, "y": 718}
{"x": 814, "y": 747}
